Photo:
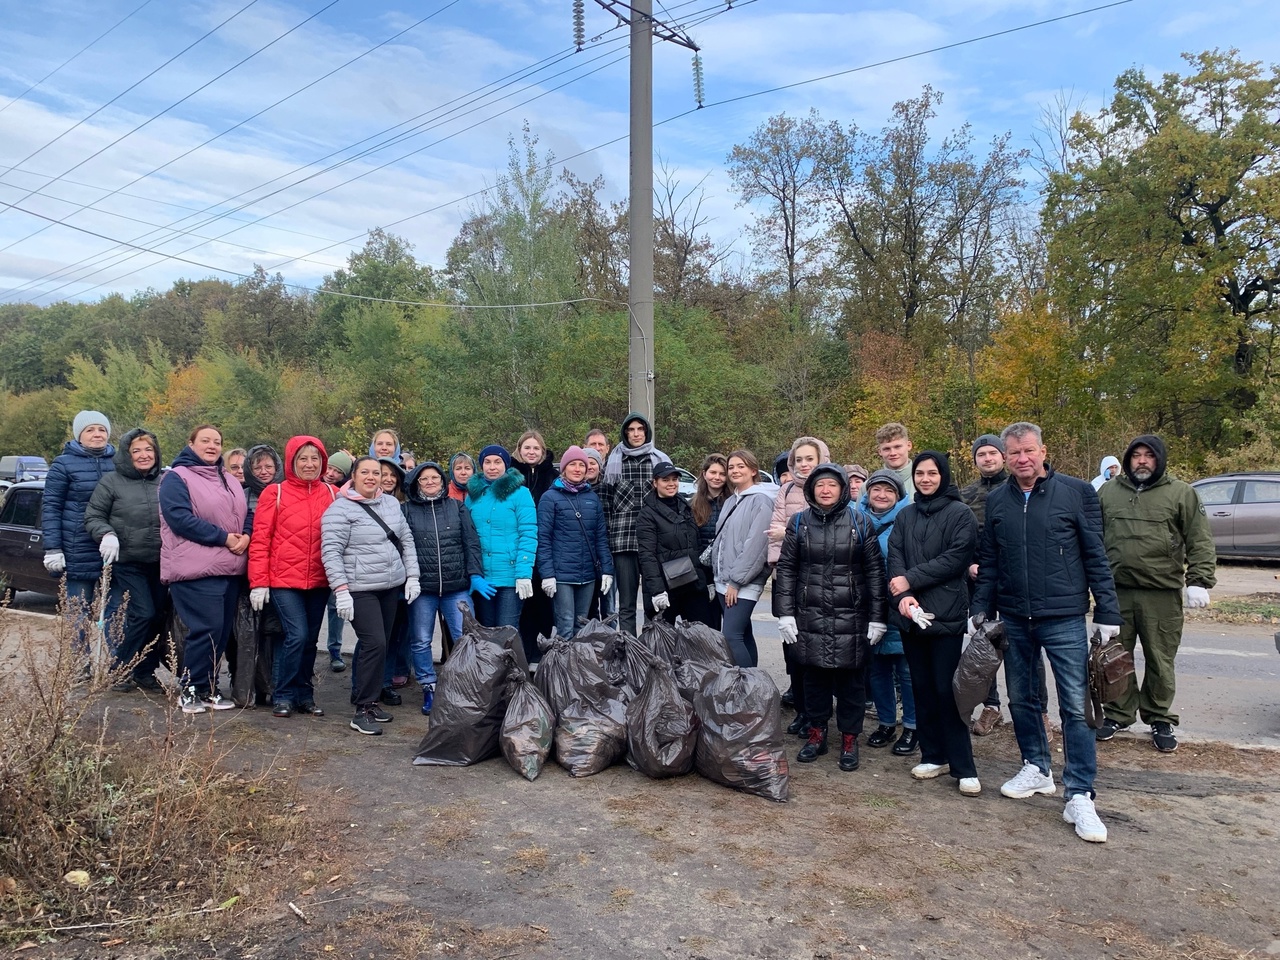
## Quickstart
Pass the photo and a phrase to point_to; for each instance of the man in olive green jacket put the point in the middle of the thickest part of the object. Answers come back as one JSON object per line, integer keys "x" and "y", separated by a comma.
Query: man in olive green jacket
{"x": 1158, "y": 542}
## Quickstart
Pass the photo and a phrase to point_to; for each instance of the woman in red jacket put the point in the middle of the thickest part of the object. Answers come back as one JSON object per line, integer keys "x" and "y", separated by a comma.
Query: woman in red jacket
{"x": 285, "y": 568}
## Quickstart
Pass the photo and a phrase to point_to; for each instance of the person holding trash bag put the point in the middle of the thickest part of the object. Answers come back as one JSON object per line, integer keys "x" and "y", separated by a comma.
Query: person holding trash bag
{"x": 934, "y": 540}
{"x": 829, "y": 586}
{"x": 123, "y": 515}
{"x": 285, "y": 568}
{"x": 507, "y": 524}
{"x": 371, "y": 562}
{"x": 573, "y": 545}
{"x": 449, "y": 567}
{"x": 674, "y": 582}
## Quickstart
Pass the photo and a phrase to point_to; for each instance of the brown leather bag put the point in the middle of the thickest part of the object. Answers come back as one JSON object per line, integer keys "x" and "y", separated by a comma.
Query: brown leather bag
{"x": 1110, "y": 667}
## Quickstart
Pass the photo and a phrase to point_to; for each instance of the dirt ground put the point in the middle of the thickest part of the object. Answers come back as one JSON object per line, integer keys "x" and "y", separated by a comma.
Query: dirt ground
{"x": 405, "y": 861}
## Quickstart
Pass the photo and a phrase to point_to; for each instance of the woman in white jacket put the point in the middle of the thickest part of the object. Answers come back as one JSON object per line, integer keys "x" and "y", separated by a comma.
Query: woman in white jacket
{"x": 371, "y": 562}
{"x": 740, "y": 552}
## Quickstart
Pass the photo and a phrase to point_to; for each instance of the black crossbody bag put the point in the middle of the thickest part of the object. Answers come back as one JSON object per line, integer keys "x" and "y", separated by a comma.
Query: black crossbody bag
{"x": 395, "y": 541}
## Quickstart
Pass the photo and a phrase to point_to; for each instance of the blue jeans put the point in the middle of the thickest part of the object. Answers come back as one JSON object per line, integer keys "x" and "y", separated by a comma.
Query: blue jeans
{"x": 207, "y": 607}
{"x": 80, "y": 607}
{"x": 885, "y": 669}
{"x": 500, "y": 610}
{"x": 737, "y": 631}
{"x": 335, "y": 628}
{"x": 292, "y": 673}
{"x": 397, "y": 662}
{"x": 422, "y": 627}
{"x": 572, "y": 600}
{"x": 1066, "y": 644}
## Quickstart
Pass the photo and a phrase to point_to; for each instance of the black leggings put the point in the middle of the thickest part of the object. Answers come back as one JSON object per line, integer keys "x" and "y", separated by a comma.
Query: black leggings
{"x": 373, "y": 620}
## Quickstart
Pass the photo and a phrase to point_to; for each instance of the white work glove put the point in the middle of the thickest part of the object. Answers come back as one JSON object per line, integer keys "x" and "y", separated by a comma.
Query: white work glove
{"x": 974, "y": 623}
{"x": 549, "y": 586}
{"x": 606, "y": 584}
{"x": 921, "y": 619}
{"x": 524, "y": 589}
{"x": 109, "y": 550}
{"x": 258, "y": 597}
{"x": 1107, "y": 631}
{"x": 412, "y": 589}
{"x": 344, "y": 605}
{"x": 55, "y": 562}
{"x": 711, "y": 592}
{"x": 876, "y": 632}
{"x": 1197, "y": 597}
{"x": 788, "y": 629}
{"x": 661, "y": 602}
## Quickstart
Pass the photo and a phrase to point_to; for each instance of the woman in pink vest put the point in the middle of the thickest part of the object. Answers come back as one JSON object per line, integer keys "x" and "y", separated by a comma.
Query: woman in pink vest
{"x": 202, "y": 557}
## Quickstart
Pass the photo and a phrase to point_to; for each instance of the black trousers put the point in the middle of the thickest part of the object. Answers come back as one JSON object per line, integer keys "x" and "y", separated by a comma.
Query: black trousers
{"x": 944, "y": 734}
{"x": 795, "y": 670}
{"x": 374, "y": 619}
{"x": 626, "y": 570}
{"x": 849, "y": 687}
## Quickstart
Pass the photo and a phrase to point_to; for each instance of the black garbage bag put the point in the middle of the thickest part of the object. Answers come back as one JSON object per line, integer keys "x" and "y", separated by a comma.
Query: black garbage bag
{"x": 505, "y": 638}
{"x": 591, "y": 733}
{"x": 636, "y": 659}
{"x": 251, "y": 652}
{"x": 608, "y": 644}
{"x": 689, "y": 675}
{"x": 978, "y": 665}
{"x": 470, "y": 704}
{"x": 662, "y": 732}
{"x": 570, "y": 669}
{"x": 659, "y": 637}
{"x": 740, "y": 737}
{"x": 696, "y": 641}
{"x": 528, "y": 729}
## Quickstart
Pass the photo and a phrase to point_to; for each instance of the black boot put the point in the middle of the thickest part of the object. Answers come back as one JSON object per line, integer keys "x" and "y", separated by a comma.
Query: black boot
{"x": 816, "y": 746}
{"x": 789, "y": 698}
{"x": 882, "y": 736}
{"x": 848, "y": 751}
{"x": 390, "y": 697}
{"x": 800, "y": 725}
{"x": 907, "y": 744}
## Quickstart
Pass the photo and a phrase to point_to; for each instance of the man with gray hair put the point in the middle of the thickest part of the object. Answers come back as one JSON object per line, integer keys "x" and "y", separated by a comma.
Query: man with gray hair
{"x": 1040, "y": 557}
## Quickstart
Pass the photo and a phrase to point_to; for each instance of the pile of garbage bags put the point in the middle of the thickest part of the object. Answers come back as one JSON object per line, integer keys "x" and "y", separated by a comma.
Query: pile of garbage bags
{"x": 668, "y": 702}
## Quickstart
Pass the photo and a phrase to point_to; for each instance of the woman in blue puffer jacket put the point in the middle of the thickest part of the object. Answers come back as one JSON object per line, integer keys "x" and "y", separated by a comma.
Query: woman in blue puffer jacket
{"x": 507, "y": 523}
{"x": 73, "y": 475}
{"x": 573, "y": 544}
{"x": 883, "y": 498}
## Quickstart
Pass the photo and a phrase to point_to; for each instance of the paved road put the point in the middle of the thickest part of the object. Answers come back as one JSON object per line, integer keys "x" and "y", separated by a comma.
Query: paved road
{"x": 1228, "y": 676}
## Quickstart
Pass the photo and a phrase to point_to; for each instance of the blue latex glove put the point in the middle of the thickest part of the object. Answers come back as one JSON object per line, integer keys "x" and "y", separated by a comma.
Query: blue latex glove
{"x": 483, "y": 587}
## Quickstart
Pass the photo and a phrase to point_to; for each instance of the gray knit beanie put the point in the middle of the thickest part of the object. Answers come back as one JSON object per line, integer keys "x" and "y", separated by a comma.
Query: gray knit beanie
{"x": 988, "y": 440}
{"x": 87, "y": 418}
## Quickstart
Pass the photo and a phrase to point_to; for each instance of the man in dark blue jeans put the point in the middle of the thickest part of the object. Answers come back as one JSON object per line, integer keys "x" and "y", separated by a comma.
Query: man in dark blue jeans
{"x": 1040, "y": 557}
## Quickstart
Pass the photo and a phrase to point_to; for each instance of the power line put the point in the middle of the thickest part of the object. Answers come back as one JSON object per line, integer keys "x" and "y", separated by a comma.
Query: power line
{"x": 205, "y": 143}
{"x": 75, "y": 55}
{"x": 329, "y": 189}
{"x": 90, "y": 116}
{"x": 475, "y": 95}
{"x": 206, "y": 84}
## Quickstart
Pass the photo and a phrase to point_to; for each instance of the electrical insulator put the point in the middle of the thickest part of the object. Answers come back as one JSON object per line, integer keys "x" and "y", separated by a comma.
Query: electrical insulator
{"x": 579, "y": 25}
{"x": 698, "y": 91}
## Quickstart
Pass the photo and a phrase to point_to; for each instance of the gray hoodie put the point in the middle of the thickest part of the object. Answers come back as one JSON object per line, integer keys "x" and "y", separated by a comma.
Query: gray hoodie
{"x": 740, "y": 553}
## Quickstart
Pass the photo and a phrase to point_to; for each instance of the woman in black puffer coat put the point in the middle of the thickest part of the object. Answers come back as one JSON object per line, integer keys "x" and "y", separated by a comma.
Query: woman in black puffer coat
{"x": 665, "y": 531}
{"x": 830, "y": 592}
{"x": 123, "y": 516}
{"x": 934, "y": 540}
{"x": 449, "y": 566}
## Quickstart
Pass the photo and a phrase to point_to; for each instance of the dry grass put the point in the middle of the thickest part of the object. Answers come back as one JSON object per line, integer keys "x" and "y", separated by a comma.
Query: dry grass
{"x": 1124, "y": 939}
{"x": 527, "y": 859}
{"x": 448, "y": 826}
{"x": 103, "y": 830}
{"x": 620, "y": 897}
{"x": 1129, "y": 753}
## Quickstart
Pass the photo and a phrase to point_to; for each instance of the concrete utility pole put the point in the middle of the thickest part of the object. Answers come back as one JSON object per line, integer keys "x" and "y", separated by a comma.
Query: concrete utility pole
{"x": 640, "y": 214}
{"x": 639, "y": 14}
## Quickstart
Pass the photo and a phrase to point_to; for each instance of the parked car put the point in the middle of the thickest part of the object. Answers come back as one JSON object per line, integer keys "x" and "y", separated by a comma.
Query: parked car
{"x": 21, "y": 540}
{"x": 17, "y": 469}
{"x": 1244, "y": 513}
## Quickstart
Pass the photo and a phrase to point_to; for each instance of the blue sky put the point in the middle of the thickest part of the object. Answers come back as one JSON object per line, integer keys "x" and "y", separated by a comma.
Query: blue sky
{"x": 436, "y": 71}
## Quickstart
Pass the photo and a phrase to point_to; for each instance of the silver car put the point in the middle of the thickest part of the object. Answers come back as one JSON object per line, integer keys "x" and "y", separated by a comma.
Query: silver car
{"x": 1244, "y": 513}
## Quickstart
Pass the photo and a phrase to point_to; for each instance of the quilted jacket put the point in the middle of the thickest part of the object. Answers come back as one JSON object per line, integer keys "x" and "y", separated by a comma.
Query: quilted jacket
{"x": 285, "y": 549}
{"x": 67, "y": 488}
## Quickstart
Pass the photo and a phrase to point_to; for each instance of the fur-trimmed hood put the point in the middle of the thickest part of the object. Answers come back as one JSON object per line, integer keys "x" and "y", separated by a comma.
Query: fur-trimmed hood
{"x": 503, "y": 487}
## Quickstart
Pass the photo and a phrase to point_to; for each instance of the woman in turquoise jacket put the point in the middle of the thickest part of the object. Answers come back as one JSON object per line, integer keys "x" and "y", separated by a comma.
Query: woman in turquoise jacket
{"x": 507, "y": 524}
{"x": 883, "y": 497}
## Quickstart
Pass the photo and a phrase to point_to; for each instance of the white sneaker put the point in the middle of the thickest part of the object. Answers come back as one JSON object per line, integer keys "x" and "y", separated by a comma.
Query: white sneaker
{"x": 927, "y": 771}
{"x": 970, "y": 786}
{"x": 1028, "y": 782}
{"x": 1080, "y": 811}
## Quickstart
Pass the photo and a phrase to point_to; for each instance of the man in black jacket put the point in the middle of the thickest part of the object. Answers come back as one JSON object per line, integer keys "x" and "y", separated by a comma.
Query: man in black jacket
{"x": 1041, "y": 557}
